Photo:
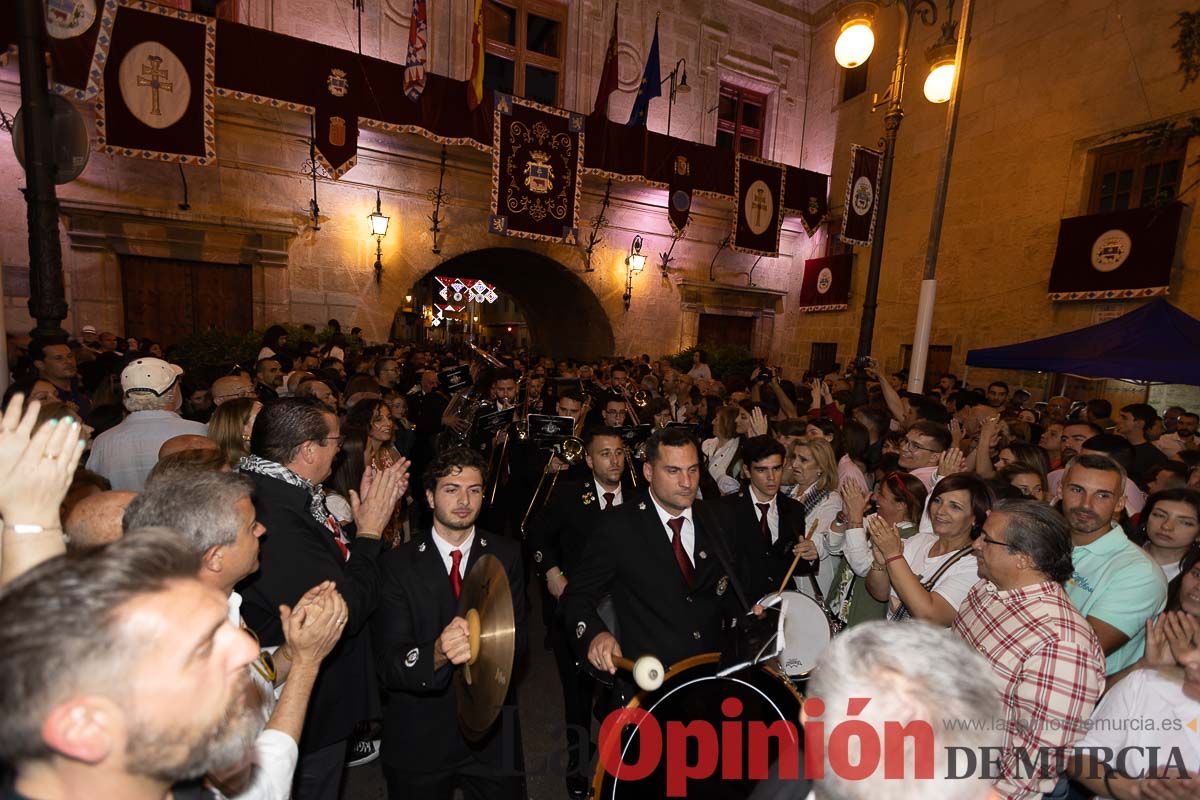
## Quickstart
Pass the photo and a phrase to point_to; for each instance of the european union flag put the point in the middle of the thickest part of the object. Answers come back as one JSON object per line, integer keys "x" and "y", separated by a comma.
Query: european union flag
{"x": 650, "y": 87}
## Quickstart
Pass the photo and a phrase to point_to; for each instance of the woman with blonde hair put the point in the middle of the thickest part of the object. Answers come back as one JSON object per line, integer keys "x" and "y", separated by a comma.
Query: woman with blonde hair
{"x": 814, "y": 467}
{"x": 230, "y": 427}
{"x": 721, "y": 451}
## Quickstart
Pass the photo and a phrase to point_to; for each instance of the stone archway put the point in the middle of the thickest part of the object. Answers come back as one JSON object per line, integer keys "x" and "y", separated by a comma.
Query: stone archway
{"x": 565, "y": 318}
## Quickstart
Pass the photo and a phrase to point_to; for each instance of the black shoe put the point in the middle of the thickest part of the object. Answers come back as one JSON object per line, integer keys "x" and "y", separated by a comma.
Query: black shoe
{"x": 362, "y": 751}
{"x": 577, "y": 786}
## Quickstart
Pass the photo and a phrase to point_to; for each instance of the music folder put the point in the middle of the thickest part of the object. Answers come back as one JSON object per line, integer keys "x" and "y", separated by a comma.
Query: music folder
{"x": 452, "y": 379}
{"x": 488, "y": 424}
{"x": 632, "y": 436}
{"x": 546, "y": 430}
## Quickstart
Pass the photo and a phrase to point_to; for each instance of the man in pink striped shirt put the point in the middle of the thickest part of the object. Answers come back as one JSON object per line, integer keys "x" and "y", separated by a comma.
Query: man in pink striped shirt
{"x": 1049, "y": 663}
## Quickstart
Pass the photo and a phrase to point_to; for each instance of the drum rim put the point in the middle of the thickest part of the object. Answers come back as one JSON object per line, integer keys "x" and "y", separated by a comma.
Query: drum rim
{"x": 771, "y": 669}
{"x": 799, "y": 676}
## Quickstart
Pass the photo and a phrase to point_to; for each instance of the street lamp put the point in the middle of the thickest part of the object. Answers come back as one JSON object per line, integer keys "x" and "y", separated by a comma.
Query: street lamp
{"x": 679, "y": 85}
{"x": 853, "y": 47}
{"x": 634, "y": 262}
{"x": 379, "y": 226}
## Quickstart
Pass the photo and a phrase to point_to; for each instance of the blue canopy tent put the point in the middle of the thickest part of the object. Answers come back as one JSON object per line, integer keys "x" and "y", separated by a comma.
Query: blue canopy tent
{"x": 1156, "y": 342}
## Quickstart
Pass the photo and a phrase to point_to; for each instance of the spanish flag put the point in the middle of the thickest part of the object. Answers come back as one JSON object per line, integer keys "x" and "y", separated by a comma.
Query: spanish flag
{"x": 475, "y": 84}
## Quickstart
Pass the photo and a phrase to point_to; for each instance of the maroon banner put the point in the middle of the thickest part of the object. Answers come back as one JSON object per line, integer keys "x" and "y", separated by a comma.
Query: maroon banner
{"x": 862, "y": 196}
{"x": 1120, "y": 255}
{"x": 826, "y": 283}
{"x": 156, "y": 100}
{"x": 536, "y": 155}
{"x": 758, "y": 189}
{"x": 679, "y": 194}
{"x": 806, "y": 197}
{"x": 78, "y": 34}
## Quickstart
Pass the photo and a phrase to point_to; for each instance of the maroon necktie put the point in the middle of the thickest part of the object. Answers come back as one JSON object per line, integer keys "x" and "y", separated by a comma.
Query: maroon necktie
{"x": 455, "y": 578}
{"x": 608, "y": 500}
{"x": 766, "y": 528}
{"x": 681, "y": 557}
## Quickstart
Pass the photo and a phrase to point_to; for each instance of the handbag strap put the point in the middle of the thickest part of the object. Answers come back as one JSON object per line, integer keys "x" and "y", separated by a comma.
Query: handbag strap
{"x": 929, "y": 584}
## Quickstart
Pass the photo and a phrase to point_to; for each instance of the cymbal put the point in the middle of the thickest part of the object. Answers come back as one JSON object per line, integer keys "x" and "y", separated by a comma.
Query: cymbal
{"x": 483, "y": 682}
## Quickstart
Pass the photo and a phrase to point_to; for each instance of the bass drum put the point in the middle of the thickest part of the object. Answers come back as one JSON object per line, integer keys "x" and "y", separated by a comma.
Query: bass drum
{"x": 692, "y": 693}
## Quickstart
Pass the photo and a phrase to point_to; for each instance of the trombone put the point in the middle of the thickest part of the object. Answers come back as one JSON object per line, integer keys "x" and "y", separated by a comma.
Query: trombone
{"x": 570, "y": 450}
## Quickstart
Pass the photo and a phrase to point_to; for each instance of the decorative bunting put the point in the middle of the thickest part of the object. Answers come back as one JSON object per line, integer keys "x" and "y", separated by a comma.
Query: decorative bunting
{"x": 758, "y": 189}
{"x": 1120, "y": 255}
{"x": 826, "y": 283}
{"x": 862, "y": 196}
{"x": 79, "y": 34}
{"x": 679, "y": 194}
{"x": 536, "y": 155}
{"x": 156, "y": 101}
{"x": 463, "y": 289}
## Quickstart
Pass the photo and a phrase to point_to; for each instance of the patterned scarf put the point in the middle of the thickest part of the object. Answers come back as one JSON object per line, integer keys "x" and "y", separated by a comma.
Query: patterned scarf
{"x": 812, "y": 498}
{"x": 316, "y": 504}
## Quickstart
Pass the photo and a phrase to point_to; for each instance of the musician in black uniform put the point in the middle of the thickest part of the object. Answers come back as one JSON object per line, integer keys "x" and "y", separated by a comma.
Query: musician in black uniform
{"x": 557, "y": 538}
{"x": 667, "y": 565}
{"x": 419, "y": 640}
{"x": 764, "y": 522}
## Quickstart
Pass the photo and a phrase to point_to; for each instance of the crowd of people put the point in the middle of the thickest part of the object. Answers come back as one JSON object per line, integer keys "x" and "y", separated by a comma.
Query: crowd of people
{"x": 240, "y": 582}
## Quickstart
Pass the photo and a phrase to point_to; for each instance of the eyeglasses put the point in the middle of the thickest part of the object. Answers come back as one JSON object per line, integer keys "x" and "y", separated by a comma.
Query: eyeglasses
{"x": 335, "y": 439}
{"x": 911, "y": 445}
{"x": 990, "y": 540}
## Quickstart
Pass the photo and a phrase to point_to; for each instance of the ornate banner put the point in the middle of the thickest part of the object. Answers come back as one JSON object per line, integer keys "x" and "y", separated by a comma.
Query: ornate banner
{"x": 78, "y": 34}
{"x": 826, "y": 283}
{"x": 806, "y": 197}
{"x": 679, "y": 194}
{"x": 156, "y": 101}
{"x": 536, "y": 155}
{"x": 1120, "y": 255}
{"x": 862, "y": 196}
{"x": 336, "y": 116}
{"x": 758, "y": 187}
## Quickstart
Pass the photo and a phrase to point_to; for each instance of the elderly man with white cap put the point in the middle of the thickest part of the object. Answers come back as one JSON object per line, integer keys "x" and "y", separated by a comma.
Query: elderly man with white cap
{"x": 126, "y": 454}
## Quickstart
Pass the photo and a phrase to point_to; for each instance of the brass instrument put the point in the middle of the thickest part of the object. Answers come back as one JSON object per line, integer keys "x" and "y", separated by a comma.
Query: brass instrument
{"x": 639, "y": 399}
{"x": 570, "y": 450}
{"x": 486, "y": 356}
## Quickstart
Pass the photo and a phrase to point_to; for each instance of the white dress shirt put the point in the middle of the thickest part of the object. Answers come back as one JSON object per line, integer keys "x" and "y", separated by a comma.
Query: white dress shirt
{"x": 444, "y": 548}
{"x": 772, "y": 513}
{"x": 687, "y": 534}
{"x": 600, "y": 490}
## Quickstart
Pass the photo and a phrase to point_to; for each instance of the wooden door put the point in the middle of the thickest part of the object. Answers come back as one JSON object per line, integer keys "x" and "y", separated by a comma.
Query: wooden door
{"x": 167, "y": 300}
{"x": 724, "y": 329}
{"x": 937, "y": 362}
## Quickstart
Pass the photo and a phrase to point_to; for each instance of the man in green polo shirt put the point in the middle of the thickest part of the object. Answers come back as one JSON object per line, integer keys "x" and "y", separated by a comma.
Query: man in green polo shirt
{"x": 1116, "y": 586}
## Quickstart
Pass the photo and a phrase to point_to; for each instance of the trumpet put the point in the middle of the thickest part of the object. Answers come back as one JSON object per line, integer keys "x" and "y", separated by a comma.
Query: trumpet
{"x": 570, "y": 450}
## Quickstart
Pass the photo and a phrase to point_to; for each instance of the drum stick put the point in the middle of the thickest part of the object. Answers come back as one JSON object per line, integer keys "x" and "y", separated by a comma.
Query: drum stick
{"x": 647, "y": 671}
{"x": 811, "y": 530}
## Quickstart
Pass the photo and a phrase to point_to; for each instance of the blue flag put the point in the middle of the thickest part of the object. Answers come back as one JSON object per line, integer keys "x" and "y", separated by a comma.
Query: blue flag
{"x": 650, "y": 87}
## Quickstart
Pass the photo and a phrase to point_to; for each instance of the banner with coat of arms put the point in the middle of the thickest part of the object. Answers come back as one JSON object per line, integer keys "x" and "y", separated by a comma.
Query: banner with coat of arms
{"x": 1119, "y": 255}
{"x": 156, "y": 100}
{"x": 679, "y": 193}
{"x": 78, "y": 33}
{"x": 537, "y": 152}
{"x": 758, "y": 191}
{"x": 826, "y": 283}
{"x": 862, "y": 196}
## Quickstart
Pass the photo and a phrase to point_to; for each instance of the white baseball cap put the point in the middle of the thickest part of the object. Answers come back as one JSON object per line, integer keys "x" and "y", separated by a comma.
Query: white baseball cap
{"x": 89, "y": 328}
{"x": 149, "y": 375}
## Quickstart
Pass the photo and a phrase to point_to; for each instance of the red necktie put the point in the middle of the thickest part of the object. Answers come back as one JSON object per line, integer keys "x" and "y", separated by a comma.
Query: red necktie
{"x": 455, "y": 578}
{"x": 766, "y": 528}
{"x": 339, "y": 538}
{"x": 681, "y": 557}
{"x": 608, "y": 500}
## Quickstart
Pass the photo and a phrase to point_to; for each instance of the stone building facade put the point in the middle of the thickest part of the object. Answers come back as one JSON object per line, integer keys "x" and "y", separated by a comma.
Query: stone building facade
{"x": 1047, "y": 83}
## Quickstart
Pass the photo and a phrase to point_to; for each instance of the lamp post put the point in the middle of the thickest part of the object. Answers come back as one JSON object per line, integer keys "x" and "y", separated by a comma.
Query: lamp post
{"x": 379, "y": 225}
{"x": 634, "y": 262}
{"x": 853, "y": 47}
{"x": 679, "y": 85}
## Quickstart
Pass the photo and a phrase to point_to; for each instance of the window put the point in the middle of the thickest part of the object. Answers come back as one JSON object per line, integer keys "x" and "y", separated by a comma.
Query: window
{"x": 854, "y": 81}
{"x": 741, "y": 114}
{"x": 523, "y": 48}
{"x": 1133, "y": 175}
{"x": 824, "y": 358}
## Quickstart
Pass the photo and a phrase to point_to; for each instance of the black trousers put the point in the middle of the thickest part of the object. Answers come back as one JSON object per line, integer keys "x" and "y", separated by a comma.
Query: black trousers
{"x": 319, "y": 773}
{"x": 578, "y": 689}
{"x": 477, "y": 781}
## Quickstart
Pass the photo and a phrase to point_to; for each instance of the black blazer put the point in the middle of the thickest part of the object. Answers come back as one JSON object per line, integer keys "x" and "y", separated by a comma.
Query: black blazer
{"x": 296, "y": 554}
{"x": 630, "y": 557}
{"x": 558, "y": 533}
{"x": 420, "y": 723}
{"x": 764, "y": 567}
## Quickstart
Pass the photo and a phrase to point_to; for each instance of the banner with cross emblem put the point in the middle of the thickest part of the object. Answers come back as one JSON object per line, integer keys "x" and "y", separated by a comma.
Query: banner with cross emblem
{"x": 156, "y": 100}
{"x": 862, "y": 196}
{"x": 758, "y": 187}
{"x": 537, "y": 152}
{"x": 826, "y": 283}
{"x": 1118, "y": 255}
